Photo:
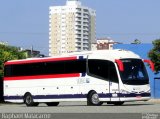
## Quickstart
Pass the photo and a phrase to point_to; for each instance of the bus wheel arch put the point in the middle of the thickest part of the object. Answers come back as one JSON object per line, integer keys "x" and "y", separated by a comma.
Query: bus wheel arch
{"x": 93, "y": 99}
{"x": 28, "y": 99}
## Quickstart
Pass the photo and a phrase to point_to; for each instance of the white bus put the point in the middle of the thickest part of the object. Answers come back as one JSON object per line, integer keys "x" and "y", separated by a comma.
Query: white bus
{"x": 111, "y": 76}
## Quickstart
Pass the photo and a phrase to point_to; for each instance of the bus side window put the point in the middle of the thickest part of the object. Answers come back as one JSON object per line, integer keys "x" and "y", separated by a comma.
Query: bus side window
{"x": 97, "y": 68}
{"x": 102, "y": 69}
{"x": 7, "y": 70}
{"x": 75, "y": 66}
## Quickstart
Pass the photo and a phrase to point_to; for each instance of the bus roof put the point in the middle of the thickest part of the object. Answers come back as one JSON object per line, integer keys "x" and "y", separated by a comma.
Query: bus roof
{"x": 99, "y": 54}
{"x": 114, "y": 54}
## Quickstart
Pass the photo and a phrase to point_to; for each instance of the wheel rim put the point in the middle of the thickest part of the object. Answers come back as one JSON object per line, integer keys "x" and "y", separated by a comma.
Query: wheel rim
{"x": 95, "y": 99}
{"x": 28, "y": 99}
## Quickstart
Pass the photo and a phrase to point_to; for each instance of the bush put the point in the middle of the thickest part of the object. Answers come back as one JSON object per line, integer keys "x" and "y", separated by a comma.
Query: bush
{"x": 154, "y": 55}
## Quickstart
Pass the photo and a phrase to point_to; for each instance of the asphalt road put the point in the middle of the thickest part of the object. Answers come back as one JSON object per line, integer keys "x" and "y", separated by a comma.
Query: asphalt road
{"x": 79, "y": 110}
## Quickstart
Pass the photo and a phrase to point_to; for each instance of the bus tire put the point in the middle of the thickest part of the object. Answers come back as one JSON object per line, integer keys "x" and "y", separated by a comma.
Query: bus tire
{"x": 52, "y": 103}
{"x": 93, "y": 99}
{"x": 28, "y": 100}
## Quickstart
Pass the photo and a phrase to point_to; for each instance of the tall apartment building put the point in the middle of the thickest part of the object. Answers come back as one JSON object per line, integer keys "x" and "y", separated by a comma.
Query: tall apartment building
{"x": 71, "y": 28}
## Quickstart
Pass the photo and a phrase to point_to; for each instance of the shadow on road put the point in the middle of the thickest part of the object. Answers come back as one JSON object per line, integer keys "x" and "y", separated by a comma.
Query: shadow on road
{"x": 81, "y": 105}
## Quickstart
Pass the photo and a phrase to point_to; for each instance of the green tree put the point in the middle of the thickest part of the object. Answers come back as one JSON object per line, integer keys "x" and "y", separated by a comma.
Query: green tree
{"x": 154, "y": 54}
{"x": 9, "y": 53}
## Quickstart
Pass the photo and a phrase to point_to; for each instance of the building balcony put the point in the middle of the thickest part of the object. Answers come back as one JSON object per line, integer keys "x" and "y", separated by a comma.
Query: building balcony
{"x": 78, "y": 36}
{"x": 85, "y": 46}
{"x": 86, "y": 24}
{"x": 86, "y": 16}
{"x": 85, "y": 28}
{"x": 78, "y": 23}
{"x": 78, "y": 46}
{"x": 86, "y": 20}
{"x": 78, "y": 16}
{"x": 78, "y": 9}
{"x": 78, "y": 32}
{"x": 85, "y": 41}
{"x": 85, "y": 10}
{"x": 86, "y": 37}
{"x": 85, "y": 49}
{"x": 78, "y": 19}
{"x": 78, "y": 49}
{"x": 78, "y": 28}
{"x": 85, "y": 33}
{"x": 78, "y": 40}
{"x": 78, "y": 13}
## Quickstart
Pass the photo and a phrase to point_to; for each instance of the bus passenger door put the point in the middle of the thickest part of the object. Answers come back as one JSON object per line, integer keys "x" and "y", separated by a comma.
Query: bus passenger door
{"x": 113, "y": 84}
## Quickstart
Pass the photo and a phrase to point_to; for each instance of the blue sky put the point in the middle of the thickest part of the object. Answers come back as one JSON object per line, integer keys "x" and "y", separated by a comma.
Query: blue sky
{"x": 26, "y": 22}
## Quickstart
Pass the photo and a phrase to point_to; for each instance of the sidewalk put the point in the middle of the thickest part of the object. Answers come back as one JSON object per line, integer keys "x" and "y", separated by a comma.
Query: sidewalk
{"x": 154, "y": 100}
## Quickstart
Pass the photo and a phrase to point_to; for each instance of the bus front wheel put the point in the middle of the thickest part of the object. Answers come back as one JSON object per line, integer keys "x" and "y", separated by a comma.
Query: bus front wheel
{"x": 93, "y": 99}
{"x": 28, "y": 100}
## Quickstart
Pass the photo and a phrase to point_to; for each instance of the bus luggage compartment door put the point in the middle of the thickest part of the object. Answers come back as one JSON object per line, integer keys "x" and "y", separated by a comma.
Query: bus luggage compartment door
{"x": 114, "y": 91}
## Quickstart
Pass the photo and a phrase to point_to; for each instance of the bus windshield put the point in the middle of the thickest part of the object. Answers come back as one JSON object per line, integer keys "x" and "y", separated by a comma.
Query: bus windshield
{"x": 134, "y": 72}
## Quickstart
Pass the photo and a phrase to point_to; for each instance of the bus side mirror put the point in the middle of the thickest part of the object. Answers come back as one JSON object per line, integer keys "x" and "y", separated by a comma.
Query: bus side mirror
{"x": 151, "y": 64}
{"x": 120, "y": 64}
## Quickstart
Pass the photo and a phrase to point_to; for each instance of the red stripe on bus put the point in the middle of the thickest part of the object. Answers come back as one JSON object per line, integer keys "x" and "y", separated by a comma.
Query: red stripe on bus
{"x": 41, "y": 77}
{"x": 39, "y": 60}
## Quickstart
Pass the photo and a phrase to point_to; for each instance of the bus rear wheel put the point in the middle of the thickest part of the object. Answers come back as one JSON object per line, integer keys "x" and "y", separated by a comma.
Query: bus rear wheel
{"x": 28, "y": 100}
{"x": 52, "y": 103}
{"x": 93, "y": 99}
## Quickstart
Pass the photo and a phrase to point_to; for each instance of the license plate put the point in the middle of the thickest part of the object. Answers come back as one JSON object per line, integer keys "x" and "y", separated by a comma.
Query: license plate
{"x": 138, "y": 96}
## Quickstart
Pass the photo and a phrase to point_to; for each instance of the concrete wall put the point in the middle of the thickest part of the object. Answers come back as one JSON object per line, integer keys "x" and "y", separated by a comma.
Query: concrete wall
{"x": 142, "y": 50}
